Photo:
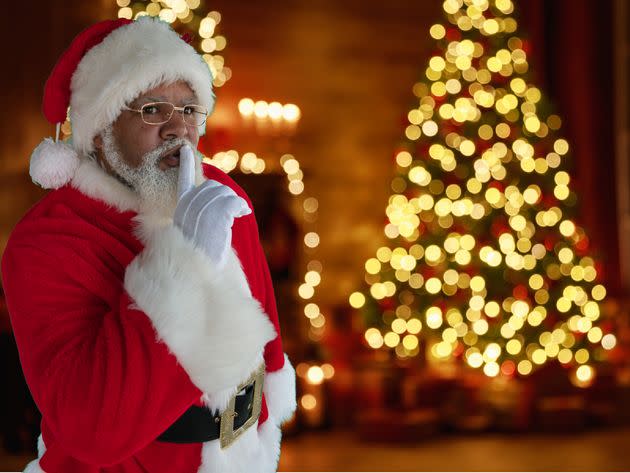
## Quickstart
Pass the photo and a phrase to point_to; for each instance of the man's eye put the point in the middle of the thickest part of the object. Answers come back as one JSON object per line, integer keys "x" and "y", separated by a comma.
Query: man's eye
{"x": 189, "y": 110}
{"x": 150, "y": 109}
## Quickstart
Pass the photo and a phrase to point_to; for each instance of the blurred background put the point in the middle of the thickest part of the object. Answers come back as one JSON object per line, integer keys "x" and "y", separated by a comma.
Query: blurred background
{"x": 442, "y": 189}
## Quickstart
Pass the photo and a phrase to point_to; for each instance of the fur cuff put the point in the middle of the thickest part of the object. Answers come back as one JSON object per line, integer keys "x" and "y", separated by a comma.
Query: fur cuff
{"x": 257, "y": 450}
{"x": 279, "y": 392}
{"x": 207, "y": 318}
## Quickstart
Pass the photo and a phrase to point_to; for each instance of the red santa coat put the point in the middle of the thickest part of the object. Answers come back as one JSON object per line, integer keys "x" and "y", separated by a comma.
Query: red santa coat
{"x": 122, "y": 325}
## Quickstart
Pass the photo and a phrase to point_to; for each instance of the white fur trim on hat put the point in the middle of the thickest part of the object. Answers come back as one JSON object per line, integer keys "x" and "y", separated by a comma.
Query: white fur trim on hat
{"x": 129, "y": 61}
{"x": 53, "y": 164}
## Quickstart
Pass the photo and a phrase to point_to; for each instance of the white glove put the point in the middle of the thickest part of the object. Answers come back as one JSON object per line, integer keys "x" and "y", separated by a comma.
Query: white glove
{"x": 205, "y": 214}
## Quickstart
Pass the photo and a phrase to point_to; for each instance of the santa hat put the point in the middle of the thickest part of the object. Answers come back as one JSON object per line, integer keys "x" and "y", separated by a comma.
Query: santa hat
{"x": 107, "y": 66}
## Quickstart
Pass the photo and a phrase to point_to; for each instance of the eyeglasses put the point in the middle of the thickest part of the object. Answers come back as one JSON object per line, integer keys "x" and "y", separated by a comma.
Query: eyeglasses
{"x": 157, "y": 113}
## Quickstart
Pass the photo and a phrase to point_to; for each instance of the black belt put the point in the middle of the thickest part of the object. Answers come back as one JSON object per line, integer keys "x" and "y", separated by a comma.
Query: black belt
{"x": 200, "y": 424}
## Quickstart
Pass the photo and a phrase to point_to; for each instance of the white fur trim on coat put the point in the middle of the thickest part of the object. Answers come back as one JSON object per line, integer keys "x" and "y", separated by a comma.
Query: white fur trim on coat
{"x": 279, "y": 389}
{"x": 207, "y": 318}
{"x": 33, "y": 467}
{"x": 90, "y": 179}
{"x": 131, "y": 60}
{"x": 256, "y": 450}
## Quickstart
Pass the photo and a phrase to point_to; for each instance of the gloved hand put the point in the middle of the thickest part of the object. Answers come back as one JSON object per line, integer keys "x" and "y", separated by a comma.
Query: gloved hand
{"x": 205, "y": 214}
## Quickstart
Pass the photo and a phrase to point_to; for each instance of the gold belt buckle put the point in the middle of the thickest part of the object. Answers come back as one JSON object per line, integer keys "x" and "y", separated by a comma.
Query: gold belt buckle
{"x": 228, "y": 435}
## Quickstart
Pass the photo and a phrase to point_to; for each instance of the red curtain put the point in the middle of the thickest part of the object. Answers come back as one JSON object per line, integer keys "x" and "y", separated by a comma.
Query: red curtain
{"x": 572, "y": 60}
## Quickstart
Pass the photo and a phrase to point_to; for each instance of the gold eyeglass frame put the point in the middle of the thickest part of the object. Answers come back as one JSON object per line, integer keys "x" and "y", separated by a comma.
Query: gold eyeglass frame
{"x": 174, "y": 109}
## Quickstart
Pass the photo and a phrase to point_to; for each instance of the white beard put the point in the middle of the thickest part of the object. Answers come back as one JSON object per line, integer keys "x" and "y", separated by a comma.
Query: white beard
{"x": 157, "y": 189}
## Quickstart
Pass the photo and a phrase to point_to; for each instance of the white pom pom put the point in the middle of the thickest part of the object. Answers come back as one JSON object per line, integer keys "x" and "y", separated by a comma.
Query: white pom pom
{"x": 53, "y": 164}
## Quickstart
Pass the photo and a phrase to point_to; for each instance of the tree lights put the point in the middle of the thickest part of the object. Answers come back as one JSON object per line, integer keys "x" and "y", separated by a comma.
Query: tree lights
{"x": 486, "y": 262}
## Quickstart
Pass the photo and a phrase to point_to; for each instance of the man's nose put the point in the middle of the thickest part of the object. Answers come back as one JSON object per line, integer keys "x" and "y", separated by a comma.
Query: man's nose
{"x": 175, "y": 127}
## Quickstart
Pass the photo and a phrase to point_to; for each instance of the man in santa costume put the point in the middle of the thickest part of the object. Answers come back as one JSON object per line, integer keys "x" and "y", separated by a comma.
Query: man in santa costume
{"x": 139, "y": 295}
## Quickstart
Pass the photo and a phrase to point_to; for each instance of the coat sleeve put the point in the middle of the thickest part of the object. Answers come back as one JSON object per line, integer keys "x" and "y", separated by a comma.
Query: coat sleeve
{"x": 103, "y": 383}
{"x": 279, "y": 386}
{"x": 110, "y": 378}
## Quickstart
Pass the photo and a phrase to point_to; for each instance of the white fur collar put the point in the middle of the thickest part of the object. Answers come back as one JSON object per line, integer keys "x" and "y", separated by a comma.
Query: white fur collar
{"x": 90, "y": 179}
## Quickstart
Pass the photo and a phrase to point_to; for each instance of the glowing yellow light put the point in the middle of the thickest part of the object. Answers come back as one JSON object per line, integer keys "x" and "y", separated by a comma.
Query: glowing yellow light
{"x": 403, "y": 159}
{"x": 433, "y": 285}
{"x": 584, "y": 373}
{"x": 419, "y": 175}
{"x": 208, "y": 45}
{"x": 291, "y": 112}
{"x": 329, "y": 370}
{"x": 437, "y": 31}
{"x": 513, "y": 346}
{"x": 357, "y": 300}
{"x": 475, "y": 359}
{"x": 429, "y": 128}
{"x": 308, "y": 402}
{"x": 125, "y": 12}
{"x": 315, "y": 375}
{"x": 480, "y": 327}
{"x": 582, "y": 355}
{"x": 374, "y": 338}
{"x": 168, "y": 15}
{"x": 565, "y": 356}
{"x": 306, "y": 291}
{"x": 595, "y": 335}
{"x": 123, "y": 3}
{"x": 451, "y": 277}
{"x": 437, "y": 63}
{"x": 492, "y": 309}
{"x": 260, "y": 108}
{"x": 434, "y": 317}
{"x": 373, "y": 266}
{"x": 399, "y": 326}
{"x": 591, "y": 310}
{"x": 414, "y": 326}
{"x": 477, "y": 283}
{"x": 443, "y": 349}
{"x": 598, "y": 292}
{"x": 410, "y": 342}
{"x": 609, "y": 341}
{"x": 539, "y": 356}
{"x": 311, "y": 310}
{"x": 476, "y": 303}
{"x": 491, "y": 369}
{"x": 567, "y": 228}
{"x": 524, "y": 367}
{"x": 536, "y": 281}
{"x": 520, "y": 309}
{"x": 384, "y": 254}
{"x": 391, "y": 339}
{"x": 311, "y": 239}
{"x": 492, "y": 351}
{"x": 561, "y": 146}
{"x": 485, "y": 132}
{"x": 532, "y": 124}
{"x": 565, "y": 255}
{"x": 413, "y": 132}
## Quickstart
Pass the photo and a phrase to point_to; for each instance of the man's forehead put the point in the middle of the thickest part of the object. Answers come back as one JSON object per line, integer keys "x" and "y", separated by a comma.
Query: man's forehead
{"x": 179, "y": 91}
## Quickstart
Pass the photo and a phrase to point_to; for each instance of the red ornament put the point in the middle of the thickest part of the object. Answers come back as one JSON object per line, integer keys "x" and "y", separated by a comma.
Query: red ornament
{"x": 520, "y": 292}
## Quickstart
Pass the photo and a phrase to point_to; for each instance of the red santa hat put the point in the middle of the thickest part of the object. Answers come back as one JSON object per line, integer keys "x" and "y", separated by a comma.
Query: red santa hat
{"x": 107, "y": 66}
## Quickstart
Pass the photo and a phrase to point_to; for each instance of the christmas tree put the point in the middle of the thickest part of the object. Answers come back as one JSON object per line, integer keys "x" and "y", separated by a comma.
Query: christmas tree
{"x": 486, "y": 262}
